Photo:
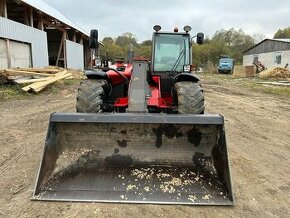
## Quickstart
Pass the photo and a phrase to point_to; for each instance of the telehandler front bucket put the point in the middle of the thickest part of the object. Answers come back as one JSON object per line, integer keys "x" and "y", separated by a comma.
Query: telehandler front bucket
{"x": 135, "y": 158}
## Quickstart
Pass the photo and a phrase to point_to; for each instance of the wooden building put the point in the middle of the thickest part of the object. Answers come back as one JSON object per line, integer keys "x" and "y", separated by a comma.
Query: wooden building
{"x": 34, "y": 34}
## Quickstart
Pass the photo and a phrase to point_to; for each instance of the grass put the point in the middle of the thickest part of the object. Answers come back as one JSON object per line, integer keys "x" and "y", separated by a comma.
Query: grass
{"x": 269, "y": 89}
{"x": 14, "y": 91}
{"x": 11, "y": 91}
{"x": 248, "y": 83}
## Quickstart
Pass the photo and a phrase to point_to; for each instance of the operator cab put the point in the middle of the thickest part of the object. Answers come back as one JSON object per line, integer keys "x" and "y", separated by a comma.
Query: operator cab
{"x": 171, "y": 55}
{"x": 171, "y": 52}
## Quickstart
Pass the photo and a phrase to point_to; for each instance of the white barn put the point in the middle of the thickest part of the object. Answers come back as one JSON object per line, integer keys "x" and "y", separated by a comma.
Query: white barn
{"x": 269, "y": 52}
{"x": 34, "y": 34}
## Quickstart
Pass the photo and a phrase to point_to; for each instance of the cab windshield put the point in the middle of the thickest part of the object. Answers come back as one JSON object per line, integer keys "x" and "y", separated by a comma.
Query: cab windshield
{"x": 225, "y": 61}
{"x": 171, "y": 52}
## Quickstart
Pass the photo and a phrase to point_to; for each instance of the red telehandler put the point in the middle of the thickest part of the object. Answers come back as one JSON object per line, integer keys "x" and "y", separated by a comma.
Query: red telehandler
{"x": 140, "y": 135}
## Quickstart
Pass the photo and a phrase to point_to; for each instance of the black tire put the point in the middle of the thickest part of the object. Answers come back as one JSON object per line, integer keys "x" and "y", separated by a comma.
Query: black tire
{"x": 90, "y": 96}
{"x": 190, "y": 98}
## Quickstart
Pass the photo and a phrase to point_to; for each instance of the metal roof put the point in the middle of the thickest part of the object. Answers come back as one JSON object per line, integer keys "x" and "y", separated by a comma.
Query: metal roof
{"x": 281, "y": 40}
{"x": 49, "y": 10}
{"x": 277, "y": 40}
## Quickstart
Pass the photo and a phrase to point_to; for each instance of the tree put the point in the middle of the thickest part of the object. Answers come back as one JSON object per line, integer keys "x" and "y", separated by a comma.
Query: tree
{"x": 236, "y": 41}
{"x": 124, "y": 43}
{"x": 146, "y": 43}
{"x": 210, "y": 51}
{"x": 282, "y": 34}
{"x": 113, "y": 51}
{"x": 126, "y": 40}
{"x": 110, "y": 49}
{"x": 258, "y": 37}
{"x": 108, "y": 40}
{"x": 143, "y": 51}
{"x": 224, "y": 42}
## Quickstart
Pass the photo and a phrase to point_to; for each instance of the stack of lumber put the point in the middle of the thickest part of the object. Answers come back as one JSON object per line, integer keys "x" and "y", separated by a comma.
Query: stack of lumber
{"x": 276, "y": 72}
{"x": 37, "y": 86}
{"x": 35, "y": 79}
{"x": 244, "y": 71}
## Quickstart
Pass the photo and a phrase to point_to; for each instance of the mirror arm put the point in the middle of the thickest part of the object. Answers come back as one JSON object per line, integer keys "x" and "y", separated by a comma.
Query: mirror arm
{"x": 192, "y": 39}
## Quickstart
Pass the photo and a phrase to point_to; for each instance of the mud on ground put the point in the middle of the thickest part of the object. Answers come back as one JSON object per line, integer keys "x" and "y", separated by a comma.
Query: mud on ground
{"x": 258, "y": 135}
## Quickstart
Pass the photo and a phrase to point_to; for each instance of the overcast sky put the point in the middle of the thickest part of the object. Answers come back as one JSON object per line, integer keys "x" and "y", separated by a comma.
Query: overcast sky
{"x": 114, "y": 17}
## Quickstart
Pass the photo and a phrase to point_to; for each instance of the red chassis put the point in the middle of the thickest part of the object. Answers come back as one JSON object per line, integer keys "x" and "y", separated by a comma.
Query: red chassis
{"x": 156, "y": 100}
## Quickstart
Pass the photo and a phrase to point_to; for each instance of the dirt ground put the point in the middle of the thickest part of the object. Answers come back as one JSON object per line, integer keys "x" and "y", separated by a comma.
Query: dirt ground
{"x": 258, "y": 135}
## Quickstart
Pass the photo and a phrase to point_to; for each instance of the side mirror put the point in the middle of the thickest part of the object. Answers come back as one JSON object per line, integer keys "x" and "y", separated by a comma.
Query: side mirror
{"x": 94, "y": 39}
{"x": 200, "y": 38}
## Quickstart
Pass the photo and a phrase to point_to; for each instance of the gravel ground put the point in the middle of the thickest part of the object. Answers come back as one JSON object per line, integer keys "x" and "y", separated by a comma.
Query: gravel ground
{"x": 258, "y": 135}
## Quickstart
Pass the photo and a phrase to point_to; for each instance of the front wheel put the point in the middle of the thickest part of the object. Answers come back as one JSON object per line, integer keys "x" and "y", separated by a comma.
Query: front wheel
{"x": 90, "y": 96}
{"x": 190, "y": 98}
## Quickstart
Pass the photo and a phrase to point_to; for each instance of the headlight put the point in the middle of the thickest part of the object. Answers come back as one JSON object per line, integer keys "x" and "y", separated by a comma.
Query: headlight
{"x": 186, "y": 68}
{"x": 187, "y": 28}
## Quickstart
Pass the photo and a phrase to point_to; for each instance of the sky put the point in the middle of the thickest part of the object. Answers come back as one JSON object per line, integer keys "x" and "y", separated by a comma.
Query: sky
{"x": 114, "y": 17}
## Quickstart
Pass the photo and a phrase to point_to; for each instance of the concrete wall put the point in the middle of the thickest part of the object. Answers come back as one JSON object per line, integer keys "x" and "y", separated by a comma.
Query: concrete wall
{"x": 268, "y": 59}
{"x": 74, "y": 55}
{"x": 36, "y": 38}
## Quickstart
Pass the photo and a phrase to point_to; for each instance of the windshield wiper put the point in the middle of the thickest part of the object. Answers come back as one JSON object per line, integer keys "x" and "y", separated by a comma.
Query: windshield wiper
{"x": 182, "y": 53}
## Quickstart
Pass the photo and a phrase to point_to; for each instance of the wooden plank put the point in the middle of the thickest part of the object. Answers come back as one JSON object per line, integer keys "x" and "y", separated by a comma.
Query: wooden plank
{"x": 16, "y": 77}
{"x": 19, "y": 72}
{"x": 53, "y": 25}
{"x": 1, "y": 8}
{"x": 74, "y": 37}
{"x": 81, "y": 40}
{"x": 37, "y": 87}
{"x": 40, "y": 23}
{"x": 47, "y": 70}
{"x": 26, "y": 21}
{"x": 27, "y": 81}
{"x": 64, "y": 51}
{"x": 5, "y": 14}
{"x": 40, "y": 85}
{"x": 31, "y": 17}
{"x": 60, "y": 48}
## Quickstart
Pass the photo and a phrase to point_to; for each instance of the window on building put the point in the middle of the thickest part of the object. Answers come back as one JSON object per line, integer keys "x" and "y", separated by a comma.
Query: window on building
{"x": 256, "y": 58}
{"x": 278, "y": 58}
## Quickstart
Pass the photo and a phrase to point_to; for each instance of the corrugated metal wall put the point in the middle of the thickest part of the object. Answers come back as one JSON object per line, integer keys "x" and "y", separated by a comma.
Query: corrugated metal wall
{"x": 20, "y": 53}
{"x": 74, "y": 55}
{"x": 16, "y": 31}
{"x": 3, "y": 54}
{"x": 268, "y": 46}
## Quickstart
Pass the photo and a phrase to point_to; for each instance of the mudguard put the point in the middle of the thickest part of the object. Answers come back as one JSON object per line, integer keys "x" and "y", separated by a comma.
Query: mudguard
{"x": 186, "y": 77}
{"x": 96, "y": 74}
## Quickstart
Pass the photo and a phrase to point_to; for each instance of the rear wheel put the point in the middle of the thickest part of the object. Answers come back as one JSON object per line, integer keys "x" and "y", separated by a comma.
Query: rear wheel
{"x": 90, "y": 96}
{"x": 190, "y": 98}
